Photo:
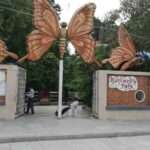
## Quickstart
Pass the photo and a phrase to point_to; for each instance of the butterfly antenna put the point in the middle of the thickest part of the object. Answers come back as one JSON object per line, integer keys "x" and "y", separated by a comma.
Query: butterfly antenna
{"x": 12, "y": 55}
{"x": 22, "y": 59}
{"x": 98, "y": 63}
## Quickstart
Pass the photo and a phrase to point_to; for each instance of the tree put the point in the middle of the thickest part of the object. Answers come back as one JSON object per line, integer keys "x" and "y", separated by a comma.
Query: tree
{"x": 106, "y": 31}
{"x": 78, "y": 77}
{"x": 15, "y": 23}
{"x": 137, "y": 15}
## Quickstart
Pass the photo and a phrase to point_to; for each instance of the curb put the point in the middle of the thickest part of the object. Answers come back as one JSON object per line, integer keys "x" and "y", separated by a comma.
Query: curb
{"x": 71, "y": 137}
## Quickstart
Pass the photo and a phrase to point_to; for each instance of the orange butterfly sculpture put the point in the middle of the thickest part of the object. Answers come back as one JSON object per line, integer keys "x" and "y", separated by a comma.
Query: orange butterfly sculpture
{"x": 4, "y": 53}
{"x": 124, "y": 56}
{"x": 48, "y": 30}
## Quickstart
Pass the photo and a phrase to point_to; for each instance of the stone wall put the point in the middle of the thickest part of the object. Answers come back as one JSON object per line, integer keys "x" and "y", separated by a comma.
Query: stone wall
{"x": 14, "y": 95}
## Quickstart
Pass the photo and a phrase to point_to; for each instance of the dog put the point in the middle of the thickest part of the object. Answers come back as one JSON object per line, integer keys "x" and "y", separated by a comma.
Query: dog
{"x": 63, "y": 111}
{"x": 74, "y": 108}
{"x": 71, "y": 109}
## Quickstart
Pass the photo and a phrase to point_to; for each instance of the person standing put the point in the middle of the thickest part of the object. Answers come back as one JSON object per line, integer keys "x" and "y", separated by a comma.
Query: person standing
{"x": 30, "y": 96}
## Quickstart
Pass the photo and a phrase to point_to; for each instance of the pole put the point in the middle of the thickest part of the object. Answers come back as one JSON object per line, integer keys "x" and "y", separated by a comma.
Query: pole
{"x": 60, "y": 90}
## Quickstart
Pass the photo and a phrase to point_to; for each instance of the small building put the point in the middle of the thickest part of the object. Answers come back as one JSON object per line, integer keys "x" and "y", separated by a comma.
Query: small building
{"x": 121, "y": 95}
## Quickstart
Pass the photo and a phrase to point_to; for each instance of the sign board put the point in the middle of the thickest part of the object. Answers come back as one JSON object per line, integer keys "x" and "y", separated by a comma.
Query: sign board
{"x": 123, "y": 83}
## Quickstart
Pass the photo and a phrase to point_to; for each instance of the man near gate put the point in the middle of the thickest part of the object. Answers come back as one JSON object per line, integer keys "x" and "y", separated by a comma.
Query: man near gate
{"x": 30, "y": 96}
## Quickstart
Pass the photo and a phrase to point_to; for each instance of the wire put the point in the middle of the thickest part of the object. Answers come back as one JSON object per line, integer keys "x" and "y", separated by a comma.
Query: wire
{"x": 139, "y": 36}
{"x": 15, "y": 10}
{"x": 133, "y": 34}
{"x": 11, "y": 5}
{"x": 3, "y": 3}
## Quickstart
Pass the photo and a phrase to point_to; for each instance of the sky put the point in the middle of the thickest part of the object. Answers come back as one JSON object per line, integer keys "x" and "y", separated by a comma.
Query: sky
{"x": 69, "y": 7}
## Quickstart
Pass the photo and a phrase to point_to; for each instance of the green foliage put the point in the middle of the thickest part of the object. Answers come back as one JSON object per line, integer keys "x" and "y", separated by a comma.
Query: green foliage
{"x": 107, "y": 31}
{"x": 103, "y": 51}
{"x": 78, "y": 77}
{"x": 43, "y": 74}
{"x": 138, "y": 13}
{"x": 15, "y": 23}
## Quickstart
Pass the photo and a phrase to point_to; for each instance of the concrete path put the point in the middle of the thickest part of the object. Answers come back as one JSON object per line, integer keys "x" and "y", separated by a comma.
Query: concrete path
{"x": 45, "y": 126}
{"x": 125, "y": 143}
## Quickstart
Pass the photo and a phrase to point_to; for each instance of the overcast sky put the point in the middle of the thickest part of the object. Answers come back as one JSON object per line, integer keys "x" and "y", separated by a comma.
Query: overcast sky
{"x": 70, "y": 6}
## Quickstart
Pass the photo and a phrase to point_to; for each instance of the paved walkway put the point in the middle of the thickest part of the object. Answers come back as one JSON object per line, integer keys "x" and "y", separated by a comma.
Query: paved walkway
{"x": 131, "y": 143}
{"x": 44, "y": 126}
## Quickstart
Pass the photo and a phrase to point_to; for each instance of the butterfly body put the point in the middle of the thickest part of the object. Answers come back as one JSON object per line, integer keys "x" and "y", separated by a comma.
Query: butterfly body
{"x": 62, "y": 40}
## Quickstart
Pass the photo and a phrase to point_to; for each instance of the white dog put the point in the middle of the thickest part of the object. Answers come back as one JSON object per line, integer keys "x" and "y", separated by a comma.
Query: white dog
{"x": 73, "y": 111}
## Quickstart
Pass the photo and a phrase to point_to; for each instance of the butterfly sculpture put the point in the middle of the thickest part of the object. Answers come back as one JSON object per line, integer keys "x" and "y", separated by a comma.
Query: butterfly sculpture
{"x": 48, "y": 30}
{"x": 124, "y": 56}
{"x": 4, "y": 53}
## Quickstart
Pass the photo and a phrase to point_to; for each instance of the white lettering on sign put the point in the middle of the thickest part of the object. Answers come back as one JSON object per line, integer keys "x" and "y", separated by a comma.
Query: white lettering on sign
{"x": 123, "y": 83}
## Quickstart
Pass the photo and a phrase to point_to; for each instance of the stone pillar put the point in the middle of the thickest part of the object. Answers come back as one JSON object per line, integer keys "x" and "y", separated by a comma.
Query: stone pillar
{"x": 12, "y": 89}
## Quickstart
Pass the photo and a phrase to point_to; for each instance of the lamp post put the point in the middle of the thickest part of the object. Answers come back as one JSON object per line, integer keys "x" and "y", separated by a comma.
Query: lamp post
{"x": 62, "y": 47}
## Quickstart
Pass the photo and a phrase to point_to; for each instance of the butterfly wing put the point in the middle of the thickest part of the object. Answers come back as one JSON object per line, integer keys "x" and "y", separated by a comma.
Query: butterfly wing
{"x": 79, "y": 30}
{"x": 118, "y": 56}
{"x": 3, "y": 49}
{"x": 125, "y": 40}
{"x": 45, "y": 18}
{"x": 82, "y": 21}
{"x": 85, "y": 47}
{"x": 38, "y": 44}
{"x": 47, "y": 30}
{"x": 130, "y": 63}
{"x": 4, "y": 53}
{"x": 123, "y": 54}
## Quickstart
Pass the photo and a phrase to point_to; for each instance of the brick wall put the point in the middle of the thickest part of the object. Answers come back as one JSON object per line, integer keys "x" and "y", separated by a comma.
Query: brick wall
{"x": 116, "y": 97}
